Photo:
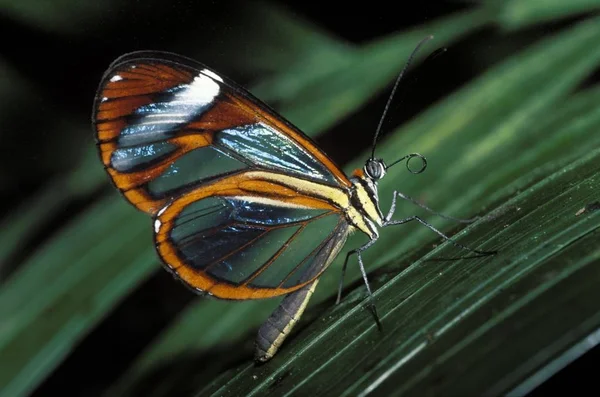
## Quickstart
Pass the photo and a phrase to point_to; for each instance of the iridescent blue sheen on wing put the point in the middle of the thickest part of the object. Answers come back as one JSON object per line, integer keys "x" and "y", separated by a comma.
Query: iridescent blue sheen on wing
{"x": 130, "y": 159}
{"x": 267, "y": 148}
{"x": 265, "y": 245}
{"x": 255, "y": 146}
{"x": 192, "y": 169}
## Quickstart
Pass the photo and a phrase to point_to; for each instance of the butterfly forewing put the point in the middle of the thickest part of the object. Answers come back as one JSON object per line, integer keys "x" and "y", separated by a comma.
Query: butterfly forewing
{"x": 165, "y": 124}
{"x": 245, "y": 205}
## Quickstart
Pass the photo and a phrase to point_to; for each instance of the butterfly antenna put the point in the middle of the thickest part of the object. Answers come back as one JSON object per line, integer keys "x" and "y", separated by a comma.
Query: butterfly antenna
{"x": 389, "y": 101}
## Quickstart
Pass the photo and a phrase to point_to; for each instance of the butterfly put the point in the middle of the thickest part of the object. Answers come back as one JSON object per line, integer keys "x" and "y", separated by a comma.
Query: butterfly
{"x": 244, "y": 205}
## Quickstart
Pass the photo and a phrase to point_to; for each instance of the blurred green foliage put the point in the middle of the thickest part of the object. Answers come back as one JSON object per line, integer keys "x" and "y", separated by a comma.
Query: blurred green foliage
{"x": 518, "y": 141}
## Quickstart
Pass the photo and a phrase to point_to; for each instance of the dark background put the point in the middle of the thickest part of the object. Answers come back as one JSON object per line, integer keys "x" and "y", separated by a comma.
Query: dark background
{"x": 63, "y": 71}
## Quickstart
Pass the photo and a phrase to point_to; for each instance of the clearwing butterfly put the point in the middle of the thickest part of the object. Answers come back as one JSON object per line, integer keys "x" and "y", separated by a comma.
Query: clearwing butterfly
{"x": 245, "y": 206}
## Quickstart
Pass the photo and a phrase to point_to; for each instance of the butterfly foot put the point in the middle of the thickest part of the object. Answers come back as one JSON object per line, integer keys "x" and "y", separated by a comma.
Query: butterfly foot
{"x": 373, "y": 310}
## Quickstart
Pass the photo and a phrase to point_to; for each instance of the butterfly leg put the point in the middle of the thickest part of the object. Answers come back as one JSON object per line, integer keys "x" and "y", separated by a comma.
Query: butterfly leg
{"x": 279, "y": 325}
{"x": 432, "y": 228}
{"x": 426, "y": 208}
{"x": 358, "y": 253}
{"x": 341, "y": 283}
{"x": 372, "y": 306}
{"x": 350, "y": 253}
{"x": 389, "y": 222}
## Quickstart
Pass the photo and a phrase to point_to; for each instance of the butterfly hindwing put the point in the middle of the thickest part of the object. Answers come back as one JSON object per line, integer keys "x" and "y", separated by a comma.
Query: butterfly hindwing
{"x": 248, "y": 247}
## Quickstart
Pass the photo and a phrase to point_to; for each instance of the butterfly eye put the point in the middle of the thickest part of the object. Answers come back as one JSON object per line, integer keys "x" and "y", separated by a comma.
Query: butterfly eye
{"x": 375, "y": 169}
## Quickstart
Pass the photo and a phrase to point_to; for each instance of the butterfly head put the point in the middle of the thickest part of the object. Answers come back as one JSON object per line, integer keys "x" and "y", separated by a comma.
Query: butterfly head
{"x": 374, "y": 169}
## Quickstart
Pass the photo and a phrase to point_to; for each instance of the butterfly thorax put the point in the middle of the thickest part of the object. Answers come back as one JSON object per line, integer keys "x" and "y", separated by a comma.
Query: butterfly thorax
{"x": 365, "y": 202}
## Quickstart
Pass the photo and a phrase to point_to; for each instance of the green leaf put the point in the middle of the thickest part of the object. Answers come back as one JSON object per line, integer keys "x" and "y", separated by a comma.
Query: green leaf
{"x": 15, "y": 94}
{"x": 373, "y": 67}
{"x": 515, "y": 14}
{"x": 448, "y": 325}
{"x": 61, "y": 15}
{"x": 477, "y": 307}
{"x": 297, "y": 53}
{"x": 19, "y": 225}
